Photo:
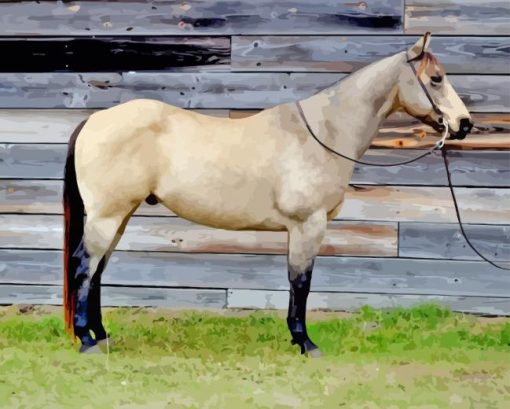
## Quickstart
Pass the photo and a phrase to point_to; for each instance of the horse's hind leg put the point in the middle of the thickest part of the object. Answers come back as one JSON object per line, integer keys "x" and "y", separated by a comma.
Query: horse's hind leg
{"x": 304, "y": 243}
{"x": 99, "y": 235}
{"x": 94, "y": 308}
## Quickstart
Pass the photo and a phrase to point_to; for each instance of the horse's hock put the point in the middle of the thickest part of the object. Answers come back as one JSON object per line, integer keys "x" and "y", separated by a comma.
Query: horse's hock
{"x": 396, "y": 240}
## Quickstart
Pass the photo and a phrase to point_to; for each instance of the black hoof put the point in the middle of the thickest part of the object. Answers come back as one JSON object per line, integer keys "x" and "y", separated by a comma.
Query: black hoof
{"x": 307, "y": 347}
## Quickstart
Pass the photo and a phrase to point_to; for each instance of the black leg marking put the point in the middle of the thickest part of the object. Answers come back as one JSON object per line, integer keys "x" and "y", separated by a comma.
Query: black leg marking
{"x": 296, "y": 318}
{"x": 83, "y": 280}
{"x": 94, "y": 305}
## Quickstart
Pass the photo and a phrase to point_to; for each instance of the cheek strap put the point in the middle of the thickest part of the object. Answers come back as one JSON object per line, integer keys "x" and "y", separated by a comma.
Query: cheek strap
{"x": 422, "y": 85}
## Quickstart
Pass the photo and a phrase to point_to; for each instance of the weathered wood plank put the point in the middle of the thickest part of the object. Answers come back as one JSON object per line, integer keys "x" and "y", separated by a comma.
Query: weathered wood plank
{"x": 178, "y": 235}
{"x": 457, "y": 17}
{"x": 479, "y": 168}
{"x": 488, "y": 93}
{"x": 483, "y": 168}
{"x": 78, "y": 54}
{"x": 200, "y": 17}
{"x": 461, "y": 55}
{"x": 258, "y": 299}
{"x": 445, "y": 241}
{"x": 491, "y": 131}
{"x": 344, "y": 274}
{"x": 427, "y": 171}
{"x": 377, "y": 203}
{"x": 427, "y": 204}
{"x": 119, "y": 296}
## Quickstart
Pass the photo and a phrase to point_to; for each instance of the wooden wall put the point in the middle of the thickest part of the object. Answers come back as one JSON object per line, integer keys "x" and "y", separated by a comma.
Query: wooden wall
{"x": 396, "y": 241}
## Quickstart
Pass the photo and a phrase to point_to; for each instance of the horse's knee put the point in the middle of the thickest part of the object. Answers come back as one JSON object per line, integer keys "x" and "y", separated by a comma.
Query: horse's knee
{"x": 305, "y": 240}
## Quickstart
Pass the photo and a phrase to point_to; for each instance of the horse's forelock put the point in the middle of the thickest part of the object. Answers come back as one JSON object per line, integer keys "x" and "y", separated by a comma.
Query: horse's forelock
{"x": 426, "y": 60}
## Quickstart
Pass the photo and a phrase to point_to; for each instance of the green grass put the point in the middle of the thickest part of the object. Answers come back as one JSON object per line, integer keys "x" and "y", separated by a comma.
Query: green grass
{"x": 424, "y": 357}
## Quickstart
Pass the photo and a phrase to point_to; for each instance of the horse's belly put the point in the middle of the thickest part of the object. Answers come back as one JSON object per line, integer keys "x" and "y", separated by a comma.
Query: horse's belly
{"x": 224, "y": 207}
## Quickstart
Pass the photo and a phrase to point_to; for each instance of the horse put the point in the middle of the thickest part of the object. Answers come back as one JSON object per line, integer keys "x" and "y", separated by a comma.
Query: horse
{"x": 263, "y": 172}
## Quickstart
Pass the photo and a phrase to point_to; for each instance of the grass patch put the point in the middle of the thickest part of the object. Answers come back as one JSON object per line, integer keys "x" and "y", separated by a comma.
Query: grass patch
{"x": 424, "y": 357}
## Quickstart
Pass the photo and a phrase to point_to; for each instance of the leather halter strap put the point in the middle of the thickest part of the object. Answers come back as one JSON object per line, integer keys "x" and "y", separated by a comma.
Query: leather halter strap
{"x": 422, "y": 85}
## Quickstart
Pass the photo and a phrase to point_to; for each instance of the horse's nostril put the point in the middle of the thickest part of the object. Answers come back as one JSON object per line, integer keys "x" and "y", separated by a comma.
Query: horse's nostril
{"x": 465, "y": 125}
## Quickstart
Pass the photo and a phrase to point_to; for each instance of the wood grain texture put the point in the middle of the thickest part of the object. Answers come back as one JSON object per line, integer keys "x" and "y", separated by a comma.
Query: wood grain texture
{"x": 445, "y": 241}
{"x": 491, "y": 131}
{"x": 484, "y": 168}
{"x": 478, "y": 168}
{"x": 353, "y": 302}
{"x": 487, "y": 93}
{"x": 376, "y": 203}
{"x": 459, "y": 55}
{"x": 269, "y": 272}
{"x": 119, "y": 296}
{"x": 426, "y": 204}
{"x": 178, "y": 235}
{"x": 166, "y": 17}
{"x": 457, "y": 17}
{"x": 95, "y": 54}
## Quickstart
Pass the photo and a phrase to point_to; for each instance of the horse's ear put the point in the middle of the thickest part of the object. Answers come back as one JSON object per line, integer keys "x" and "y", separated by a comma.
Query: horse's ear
{"x": 419, "y": 48}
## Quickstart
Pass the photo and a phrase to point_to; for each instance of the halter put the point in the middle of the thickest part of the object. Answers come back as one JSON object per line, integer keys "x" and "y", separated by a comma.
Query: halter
{"x": 438, "y": 145}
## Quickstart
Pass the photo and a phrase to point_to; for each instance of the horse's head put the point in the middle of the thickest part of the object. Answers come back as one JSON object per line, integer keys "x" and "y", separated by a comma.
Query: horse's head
{"x": 425, "y": 92}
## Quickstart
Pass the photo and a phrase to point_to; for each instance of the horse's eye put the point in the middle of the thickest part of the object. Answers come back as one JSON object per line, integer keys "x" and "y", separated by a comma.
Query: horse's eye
{"x": 437, "y": 79}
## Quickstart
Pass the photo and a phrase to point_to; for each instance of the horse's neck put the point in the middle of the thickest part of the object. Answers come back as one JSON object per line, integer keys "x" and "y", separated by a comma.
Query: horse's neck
{"x": 347, "y": 115}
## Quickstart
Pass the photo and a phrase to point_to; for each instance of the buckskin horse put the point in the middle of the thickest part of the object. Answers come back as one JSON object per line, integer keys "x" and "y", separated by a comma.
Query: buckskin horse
{"x": 264, "y": 172}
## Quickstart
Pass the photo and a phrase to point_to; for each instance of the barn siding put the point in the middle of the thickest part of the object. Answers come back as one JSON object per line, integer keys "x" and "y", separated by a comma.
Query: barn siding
{"x": 396, "y": 242}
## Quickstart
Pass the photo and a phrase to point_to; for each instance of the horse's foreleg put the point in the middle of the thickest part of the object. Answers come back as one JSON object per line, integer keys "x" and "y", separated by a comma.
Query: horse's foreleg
{"x": 304, "y": 242}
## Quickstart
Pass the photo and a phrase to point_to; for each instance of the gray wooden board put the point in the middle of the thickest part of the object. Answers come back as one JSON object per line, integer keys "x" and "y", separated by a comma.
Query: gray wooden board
{"x": 480, "y": 168}
{"x": 462, "y": 55}
{"x": 352, "y": 302}
{"x": 473, "y": 168}
{"x": 446, "y": 241}
{"x": 381, "y": 203}
{"x": 119, "y": 296}
{"x": 349, "y": 274}
{"x": 199, "y": 17}
{"x": 178, "y": 235}
{"x": 487, "y": 93}
{"x": 427, "y": 204}
{"x": 457, "y": 17}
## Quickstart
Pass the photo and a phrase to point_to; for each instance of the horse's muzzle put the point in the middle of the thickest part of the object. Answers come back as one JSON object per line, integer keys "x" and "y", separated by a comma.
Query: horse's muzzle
{"x": 465, "y": 127}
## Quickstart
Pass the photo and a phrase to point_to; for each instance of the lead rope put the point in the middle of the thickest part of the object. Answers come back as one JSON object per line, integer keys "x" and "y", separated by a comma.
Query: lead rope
{"x": 457, "y": 212}
{"x": 438, "y": 145}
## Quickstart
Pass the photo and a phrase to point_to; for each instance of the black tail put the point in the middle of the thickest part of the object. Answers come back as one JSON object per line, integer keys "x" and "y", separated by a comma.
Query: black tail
{"x": 73, "y": 231}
